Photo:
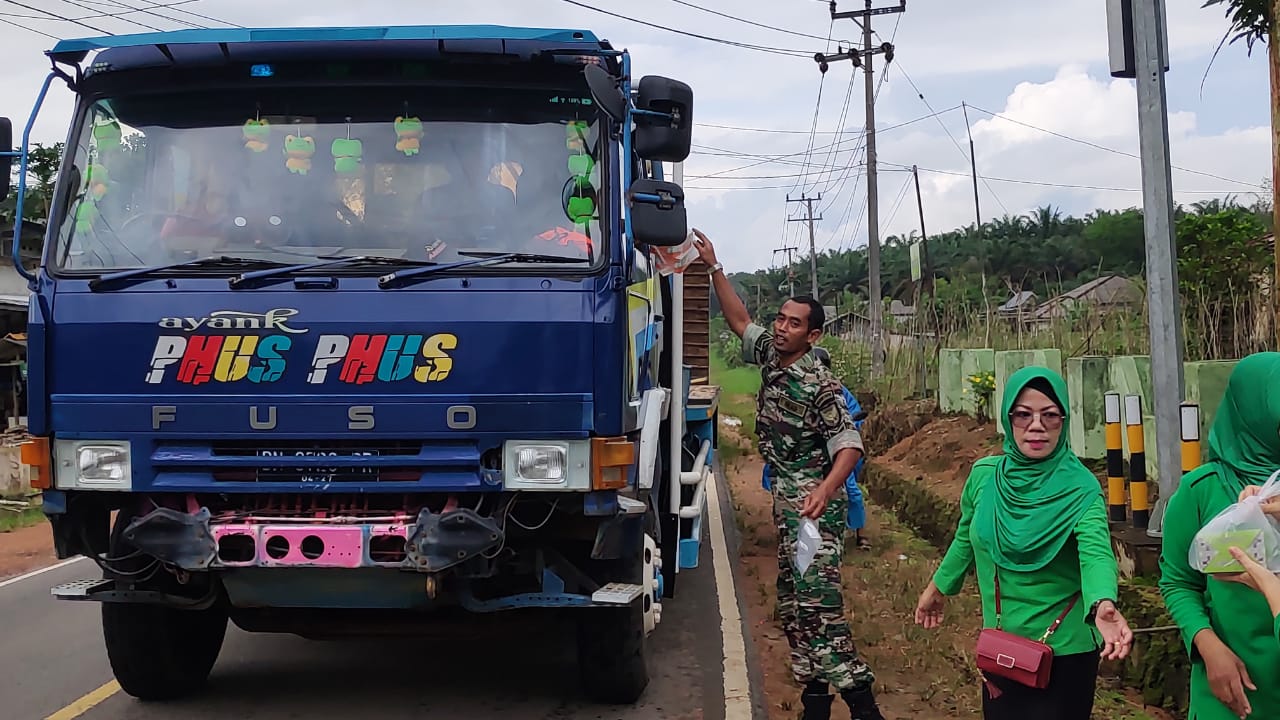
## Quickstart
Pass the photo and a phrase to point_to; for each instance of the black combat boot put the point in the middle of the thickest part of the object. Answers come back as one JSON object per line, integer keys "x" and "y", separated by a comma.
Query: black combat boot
{"x": 862, "y": 704}
{"x": 816, "y": 699}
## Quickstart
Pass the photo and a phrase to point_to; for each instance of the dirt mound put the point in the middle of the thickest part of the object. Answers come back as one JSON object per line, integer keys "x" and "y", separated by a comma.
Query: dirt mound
{"x": 887, "y": 426}
{"x": 941, "y": 452}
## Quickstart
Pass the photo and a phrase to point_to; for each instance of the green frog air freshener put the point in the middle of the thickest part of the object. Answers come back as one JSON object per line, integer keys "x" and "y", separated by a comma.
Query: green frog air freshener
{"x": 408, "y": 135}
{"x": 256, "y": 134}
{"x": 298, "y": 151}
{"x": 347, "y": 154}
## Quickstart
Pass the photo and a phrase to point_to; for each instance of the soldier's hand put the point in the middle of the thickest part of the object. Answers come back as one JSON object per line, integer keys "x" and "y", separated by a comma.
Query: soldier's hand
{"x": 706, "y": 250}
{"x": 816, "y": 503}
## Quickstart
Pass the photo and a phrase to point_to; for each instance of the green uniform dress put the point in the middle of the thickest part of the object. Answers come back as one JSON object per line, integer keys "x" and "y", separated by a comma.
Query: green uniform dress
{"x": 802, "y": 422}
{"x": 1244, "y": 449}
{"x": 1042, "y": 526}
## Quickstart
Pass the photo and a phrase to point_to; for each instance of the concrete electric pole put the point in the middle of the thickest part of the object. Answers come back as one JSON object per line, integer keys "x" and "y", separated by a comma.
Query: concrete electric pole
{"x": 1139, "y": 50}
{"x": 813, "y": 253}
{"x": 864, "y": 58}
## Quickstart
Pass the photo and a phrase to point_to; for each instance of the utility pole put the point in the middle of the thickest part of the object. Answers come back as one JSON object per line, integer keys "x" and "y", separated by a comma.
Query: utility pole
{"x": 865, "y": 58}
{"x": 791, "y": 274}
{"x": 1139, "y": 50}
{"x": 977, "y": 227}
{"x": 813, "y": 253}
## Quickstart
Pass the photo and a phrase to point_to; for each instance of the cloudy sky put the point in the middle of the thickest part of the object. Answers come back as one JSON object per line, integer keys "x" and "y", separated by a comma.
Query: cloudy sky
{"x": 1039, "y": 63}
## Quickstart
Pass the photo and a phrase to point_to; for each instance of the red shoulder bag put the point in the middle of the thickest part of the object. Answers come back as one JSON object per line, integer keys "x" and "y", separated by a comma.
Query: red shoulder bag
{"x": 1013, "y": 657}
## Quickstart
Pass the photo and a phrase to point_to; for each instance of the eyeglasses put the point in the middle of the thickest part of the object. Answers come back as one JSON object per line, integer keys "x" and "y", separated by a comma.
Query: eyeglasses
{"x": 1052, "y": 419}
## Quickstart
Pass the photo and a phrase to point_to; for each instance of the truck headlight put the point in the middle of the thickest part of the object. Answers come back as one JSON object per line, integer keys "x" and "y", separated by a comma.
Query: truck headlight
{"x": 92, "y": 464}
{"x": 546, "y": 465}
{"x": 540, "y": 463}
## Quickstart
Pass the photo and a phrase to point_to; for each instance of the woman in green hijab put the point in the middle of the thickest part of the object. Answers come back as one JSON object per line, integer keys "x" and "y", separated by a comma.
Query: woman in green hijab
{"x": 1227, "y": 627}
{"x": 1034, "y": 519}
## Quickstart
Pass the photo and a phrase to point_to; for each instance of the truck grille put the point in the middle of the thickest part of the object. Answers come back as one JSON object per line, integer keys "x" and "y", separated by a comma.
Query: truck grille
{"x": 318, "y": 461}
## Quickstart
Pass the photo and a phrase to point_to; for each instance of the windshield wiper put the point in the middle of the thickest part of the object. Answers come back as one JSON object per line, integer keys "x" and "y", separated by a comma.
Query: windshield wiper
{"x": 482, "y": 257}
{"x": 521, "y": 257}
{"x": 119, "y": 279}
{"x": 325, "y": 261}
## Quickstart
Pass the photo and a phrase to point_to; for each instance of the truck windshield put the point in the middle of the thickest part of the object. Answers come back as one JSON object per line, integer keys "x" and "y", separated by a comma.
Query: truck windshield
{"x": 293, "y": 174}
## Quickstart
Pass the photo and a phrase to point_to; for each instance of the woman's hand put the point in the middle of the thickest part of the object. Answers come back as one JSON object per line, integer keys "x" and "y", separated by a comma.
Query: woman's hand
{"x": 1115, "y": 631}
{"x": 1227, "y": 675}
{"x": 929, "y": 607}
{"x": 1270, "y": 506}
{"x": 1256, "y": 576}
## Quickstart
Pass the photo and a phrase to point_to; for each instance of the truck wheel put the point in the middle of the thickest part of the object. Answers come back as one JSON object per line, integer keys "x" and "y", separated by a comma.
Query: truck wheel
{"x": 158, "y": 652}
{"x": 161, "y": 653}
{"x": 613, "y": 650}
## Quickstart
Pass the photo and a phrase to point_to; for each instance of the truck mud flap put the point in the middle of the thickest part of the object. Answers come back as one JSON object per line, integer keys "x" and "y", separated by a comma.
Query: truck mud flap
{"x": 442, "y": 541}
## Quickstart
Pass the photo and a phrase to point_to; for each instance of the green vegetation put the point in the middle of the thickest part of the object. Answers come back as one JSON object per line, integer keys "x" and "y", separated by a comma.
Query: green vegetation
{"x": 10, "y": 521}
{"x": 1222, "y": 249}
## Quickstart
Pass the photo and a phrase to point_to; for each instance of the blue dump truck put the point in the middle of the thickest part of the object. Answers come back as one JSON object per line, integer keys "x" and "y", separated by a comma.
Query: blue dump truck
{"x": 342, "y": 328}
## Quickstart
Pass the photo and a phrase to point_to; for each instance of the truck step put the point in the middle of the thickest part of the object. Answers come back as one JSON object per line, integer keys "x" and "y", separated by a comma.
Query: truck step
{"x": 80, "y": 589}
{"x": 617, "y": 594}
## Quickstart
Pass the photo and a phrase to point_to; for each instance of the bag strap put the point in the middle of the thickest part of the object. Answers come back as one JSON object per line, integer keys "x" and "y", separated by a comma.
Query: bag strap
{"x": 1052, "y": 628}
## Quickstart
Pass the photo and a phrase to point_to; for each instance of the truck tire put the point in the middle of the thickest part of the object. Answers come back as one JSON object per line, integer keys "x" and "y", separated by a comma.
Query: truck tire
{"x": 162, "y": 653}
{"x": 613, "y": 650}
{"x": 158, "y": 652}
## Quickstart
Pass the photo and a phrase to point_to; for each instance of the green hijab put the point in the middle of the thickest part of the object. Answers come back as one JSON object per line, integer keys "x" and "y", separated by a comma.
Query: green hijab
{"x": 1245, "y": 437}
{"x": 1030, "y": 508}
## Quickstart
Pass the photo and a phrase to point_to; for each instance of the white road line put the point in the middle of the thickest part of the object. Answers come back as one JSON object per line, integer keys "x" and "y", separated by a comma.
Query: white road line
{"x": 41, "y": 571}
{"x": 737, "y": 688}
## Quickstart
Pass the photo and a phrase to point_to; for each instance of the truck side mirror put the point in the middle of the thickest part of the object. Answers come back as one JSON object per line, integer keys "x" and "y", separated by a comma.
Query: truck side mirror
{"x": 6, "y": 161}
{"x": 657, "y": 213}
{"x": 664, "y": 119}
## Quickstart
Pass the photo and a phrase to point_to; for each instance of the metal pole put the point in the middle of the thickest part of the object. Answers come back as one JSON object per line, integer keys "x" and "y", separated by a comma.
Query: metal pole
{"x": 1162, "y": 270}
{"x": 675, "y": 416}
{"x": 873, "y": 206}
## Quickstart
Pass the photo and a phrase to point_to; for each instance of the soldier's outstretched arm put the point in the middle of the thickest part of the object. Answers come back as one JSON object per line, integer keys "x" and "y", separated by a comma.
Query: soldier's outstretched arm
{"x": 735, "y": 311}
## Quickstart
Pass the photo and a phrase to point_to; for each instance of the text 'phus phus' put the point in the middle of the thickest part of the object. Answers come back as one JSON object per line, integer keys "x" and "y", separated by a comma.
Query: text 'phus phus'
{"x": 351, "y": 359}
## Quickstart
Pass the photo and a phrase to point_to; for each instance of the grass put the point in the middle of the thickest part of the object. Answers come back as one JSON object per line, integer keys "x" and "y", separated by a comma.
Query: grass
{"x": 738, "y": 387}
{"x": 10, "y": 521}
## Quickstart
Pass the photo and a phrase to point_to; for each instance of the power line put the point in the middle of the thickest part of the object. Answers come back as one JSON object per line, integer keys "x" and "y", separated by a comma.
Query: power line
{"x": 953, "y": 137}
{"x": 90, "y": 8}
{"x": 58, "y": 17}
{"x": 28, "y": 29}
{"x": 1105, "y": 148}
{"x": 732, "y": 43}
{"x": 1062, "y": 185}
{"x": 858, "y": 138}
{"x": 749, "y": 22}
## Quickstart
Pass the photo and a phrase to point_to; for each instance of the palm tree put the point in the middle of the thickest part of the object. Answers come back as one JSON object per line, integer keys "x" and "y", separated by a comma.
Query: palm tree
{"x": 1252, "y": 21}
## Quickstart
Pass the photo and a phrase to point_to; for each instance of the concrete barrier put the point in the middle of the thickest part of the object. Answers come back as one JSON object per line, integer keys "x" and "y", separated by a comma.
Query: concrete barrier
{"x": 955, "y": 367}
{"x": 15, "y": 479}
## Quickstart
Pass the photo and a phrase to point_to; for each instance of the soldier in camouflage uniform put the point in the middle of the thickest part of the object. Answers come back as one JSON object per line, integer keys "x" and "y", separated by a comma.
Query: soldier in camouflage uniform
{"x": 809, "y": 439}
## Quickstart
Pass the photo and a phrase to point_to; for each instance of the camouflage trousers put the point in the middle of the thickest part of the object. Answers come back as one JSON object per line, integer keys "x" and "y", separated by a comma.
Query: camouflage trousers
{"x": 811, "y": 606}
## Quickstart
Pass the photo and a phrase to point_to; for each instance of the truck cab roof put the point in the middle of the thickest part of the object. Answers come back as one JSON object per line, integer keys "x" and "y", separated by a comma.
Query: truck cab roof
{"x": 222, "y": 45}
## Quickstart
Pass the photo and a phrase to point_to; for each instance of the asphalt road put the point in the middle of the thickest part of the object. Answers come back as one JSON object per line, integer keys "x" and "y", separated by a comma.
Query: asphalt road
{"x": 53, "y": 665}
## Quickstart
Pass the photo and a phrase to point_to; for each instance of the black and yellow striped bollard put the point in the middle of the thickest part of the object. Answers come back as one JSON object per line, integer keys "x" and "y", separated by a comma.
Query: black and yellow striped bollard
{"x": 1115, "y": 458}
{"x": 1191, "y": 458}
{"x": 1138, "y": 497}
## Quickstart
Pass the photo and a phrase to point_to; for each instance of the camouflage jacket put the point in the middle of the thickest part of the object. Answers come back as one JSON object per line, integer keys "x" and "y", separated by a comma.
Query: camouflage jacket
{"x": 801, "y": 417}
